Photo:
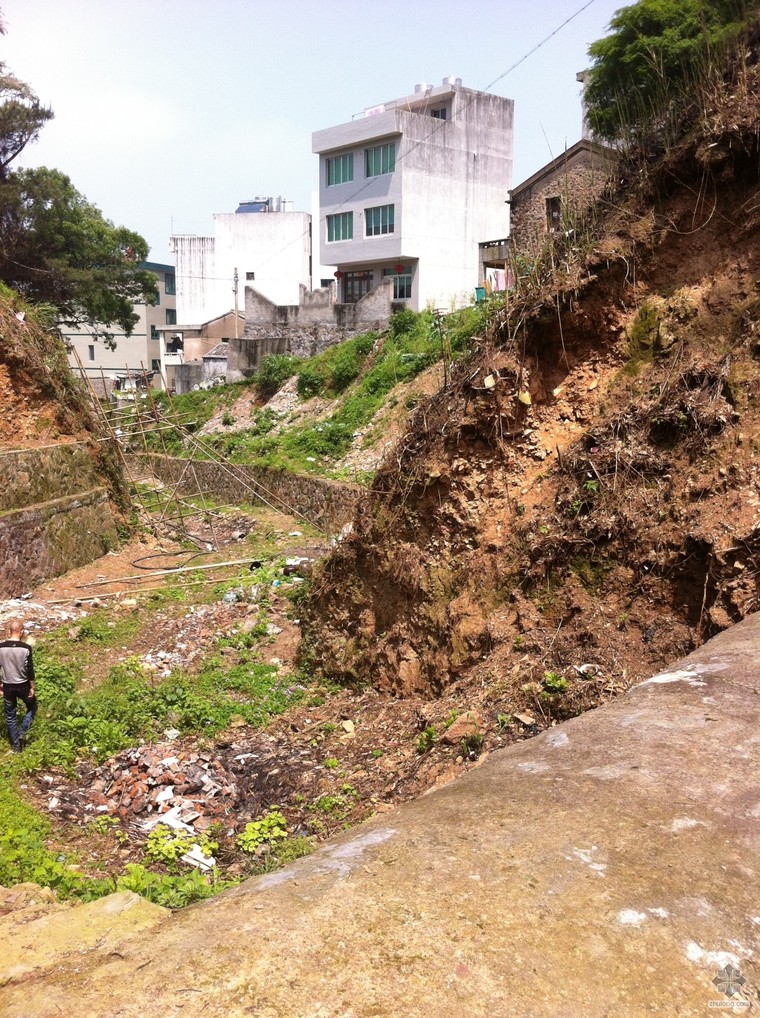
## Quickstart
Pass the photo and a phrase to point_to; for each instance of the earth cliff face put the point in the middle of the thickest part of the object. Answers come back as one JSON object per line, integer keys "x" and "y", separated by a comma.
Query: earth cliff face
{"x": 585, "y": 491}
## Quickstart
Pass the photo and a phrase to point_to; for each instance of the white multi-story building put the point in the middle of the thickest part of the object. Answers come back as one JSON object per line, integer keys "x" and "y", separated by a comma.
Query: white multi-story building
{"x": 141, "y": 351}
{"x": 264, "y": 240}
{"x": 410, "y": 189}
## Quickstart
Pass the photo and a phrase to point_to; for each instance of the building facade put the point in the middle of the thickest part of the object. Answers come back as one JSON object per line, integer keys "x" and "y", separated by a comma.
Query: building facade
{"x": 409, "y": 190}
{"x": 557, "y": 200}
{"x": 264, "y": 241}
{"x": 133, "y": 354}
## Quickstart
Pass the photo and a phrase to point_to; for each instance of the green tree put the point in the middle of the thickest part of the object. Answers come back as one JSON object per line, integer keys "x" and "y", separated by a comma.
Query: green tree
{"x": 57, "y": 248}
{"x": 654, "y": 50}
{"x": 21, "y": 117}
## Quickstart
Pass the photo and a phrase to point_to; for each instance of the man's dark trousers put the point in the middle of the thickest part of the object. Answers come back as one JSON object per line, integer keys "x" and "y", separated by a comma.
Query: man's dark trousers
{"x": 12, "y": 693}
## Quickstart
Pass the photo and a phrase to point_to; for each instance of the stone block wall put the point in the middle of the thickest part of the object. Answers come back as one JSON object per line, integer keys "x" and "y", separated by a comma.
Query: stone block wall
{"x": 327, "y": 505}
{"x": 54, "y": 515}
{"x": 577, "y": 181}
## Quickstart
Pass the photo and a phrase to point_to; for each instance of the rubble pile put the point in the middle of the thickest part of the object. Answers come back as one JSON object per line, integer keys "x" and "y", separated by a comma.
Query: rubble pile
{"x": 187, "y": 788}
{"x": 154, "y": 780}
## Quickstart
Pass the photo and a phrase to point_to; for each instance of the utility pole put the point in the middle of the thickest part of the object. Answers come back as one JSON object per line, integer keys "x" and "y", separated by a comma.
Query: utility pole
{"x": 235, "y": 291}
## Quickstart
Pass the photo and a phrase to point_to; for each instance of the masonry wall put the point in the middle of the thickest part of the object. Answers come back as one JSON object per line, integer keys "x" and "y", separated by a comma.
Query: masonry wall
{"x": 578, "y": 185}
{"x": 54, "y": 515}
{"x": 306, "y": 328}
{"x": 327, "y": 505}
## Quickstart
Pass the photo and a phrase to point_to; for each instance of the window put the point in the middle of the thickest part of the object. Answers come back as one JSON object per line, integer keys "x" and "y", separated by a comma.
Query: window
{"x": 154, "y": 332}
{"x": 402, "y": 282}
{"x": 340, "y": 226}
{"x": 155, "y": 365}
{"x": 171, "y": 316}
{"x": 340, "y": 169}
{"x": 157, "y": 301}
{"x": 439, "y": 114}
{"x": 91, "y": 352}
{"x": 380, "y": 159}
{"x": 170, "y": 283}
{"x": 554, "y": 214}
{"x": 250, "y": 275}
{"x": 356, "y": 285}
{"x": 378, "y": 220}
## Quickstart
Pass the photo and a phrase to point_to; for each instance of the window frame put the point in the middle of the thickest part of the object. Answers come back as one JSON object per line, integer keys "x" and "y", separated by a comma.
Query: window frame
{"x": 383, "y": 156}
{"x": 554, "y": 214}
{"x": 401, "y": 281}
{"x": 171, "y": 316}
{"x": 346, "y": 222}
{"x": 344, "y": 164}
{"x": 382, "y": 219}
{"x": 170, "y": 284}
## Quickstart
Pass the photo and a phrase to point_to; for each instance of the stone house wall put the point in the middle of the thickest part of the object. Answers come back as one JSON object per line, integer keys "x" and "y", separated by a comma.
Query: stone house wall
{"x": 577, "y": 179}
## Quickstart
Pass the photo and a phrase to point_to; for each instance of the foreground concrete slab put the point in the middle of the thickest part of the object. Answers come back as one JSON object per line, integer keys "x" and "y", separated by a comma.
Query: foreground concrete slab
{"x": 610, "y": 866}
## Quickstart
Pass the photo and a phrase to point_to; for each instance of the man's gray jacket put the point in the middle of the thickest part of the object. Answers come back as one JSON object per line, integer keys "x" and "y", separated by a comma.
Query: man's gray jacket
{"x": 16, "y": 663}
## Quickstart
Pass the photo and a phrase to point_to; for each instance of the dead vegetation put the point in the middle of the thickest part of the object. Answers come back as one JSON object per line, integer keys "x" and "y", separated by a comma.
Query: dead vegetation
{"x": 584, "y": 490}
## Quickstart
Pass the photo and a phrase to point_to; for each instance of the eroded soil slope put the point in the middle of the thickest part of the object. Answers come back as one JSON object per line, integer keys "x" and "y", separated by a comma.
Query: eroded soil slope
{"x": 583, "y": 499}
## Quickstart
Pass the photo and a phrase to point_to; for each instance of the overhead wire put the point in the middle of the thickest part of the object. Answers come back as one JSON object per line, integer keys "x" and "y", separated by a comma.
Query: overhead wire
{"x": 439, "y": 125}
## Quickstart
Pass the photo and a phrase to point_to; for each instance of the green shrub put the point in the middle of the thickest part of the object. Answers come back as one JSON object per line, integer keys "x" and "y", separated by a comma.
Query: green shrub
{"x": 268, "y": 829}
{"x": 274, "y": 371}
{"x": 310, "y": 382}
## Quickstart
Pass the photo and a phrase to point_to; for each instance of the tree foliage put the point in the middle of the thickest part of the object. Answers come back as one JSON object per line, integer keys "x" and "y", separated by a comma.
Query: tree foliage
{"x": 655, "y": 49}
{"x": 21, "y": 117}
{"x": 57, "y": 248}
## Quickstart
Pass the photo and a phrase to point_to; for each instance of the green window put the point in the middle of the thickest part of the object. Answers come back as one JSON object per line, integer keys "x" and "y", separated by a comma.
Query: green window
{"x": 379, "y": 220}
{"x": 170, "y": 283}
{"x": 171, "y": 316}
{"x": 340, "y": 169}
{"x": 402, "y": 282}
{"x": 380, "y": 159}
{"x": 340, "y": 226}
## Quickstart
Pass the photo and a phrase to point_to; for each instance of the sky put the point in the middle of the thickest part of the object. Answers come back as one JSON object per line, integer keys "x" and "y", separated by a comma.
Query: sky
{"x": 168, "y": 111}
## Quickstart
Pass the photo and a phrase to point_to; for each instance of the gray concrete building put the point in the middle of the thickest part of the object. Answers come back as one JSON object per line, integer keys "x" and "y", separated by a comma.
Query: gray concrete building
{"x": 410, "y": 188}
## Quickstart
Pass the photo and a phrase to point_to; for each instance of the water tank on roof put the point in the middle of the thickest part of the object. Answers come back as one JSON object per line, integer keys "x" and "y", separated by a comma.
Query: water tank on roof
{"x": 422, "y": 86}
{"x": 452, "y": 80}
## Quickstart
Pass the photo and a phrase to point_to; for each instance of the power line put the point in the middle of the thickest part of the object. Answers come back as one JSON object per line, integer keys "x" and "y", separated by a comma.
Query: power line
{"x": 440, "y": 125}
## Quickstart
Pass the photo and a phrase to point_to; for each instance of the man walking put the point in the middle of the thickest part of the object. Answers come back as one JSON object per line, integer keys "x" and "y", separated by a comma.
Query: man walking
{"x": 17, "y": 683}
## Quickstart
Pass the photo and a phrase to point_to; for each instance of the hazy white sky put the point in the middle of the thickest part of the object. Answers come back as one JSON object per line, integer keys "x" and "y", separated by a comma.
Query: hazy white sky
{"x": 170, "y": 110}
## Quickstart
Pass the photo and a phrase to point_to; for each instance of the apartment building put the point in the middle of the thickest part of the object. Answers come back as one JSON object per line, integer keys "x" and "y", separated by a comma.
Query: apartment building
{"x": 264, "y": 240}
{"x": 410, "y": 188}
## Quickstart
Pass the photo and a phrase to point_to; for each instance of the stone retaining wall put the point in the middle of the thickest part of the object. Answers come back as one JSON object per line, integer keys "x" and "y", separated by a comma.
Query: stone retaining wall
{"x": 45, "y": 540}
{"x": 327, "y": 505}
{"x": 31, "y": 476}
{"x": 54, "y": 514}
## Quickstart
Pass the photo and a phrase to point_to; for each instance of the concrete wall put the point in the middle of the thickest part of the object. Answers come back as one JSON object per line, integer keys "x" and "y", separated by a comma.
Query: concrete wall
{"x": 303, "y": 329}
{"x": 577, "y": 179}
{"x": 327, "y": 505}
{"x": 275, "y": 247}
{"x": 193, "y": 373}
{"x": 54, "y": 515}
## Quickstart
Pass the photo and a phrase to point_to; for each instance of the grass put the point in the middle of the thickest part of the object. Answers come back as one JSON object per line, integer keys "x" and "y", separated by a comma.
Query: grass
{"x": 357, "y": 375}
{"x": 129, "y": 707}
